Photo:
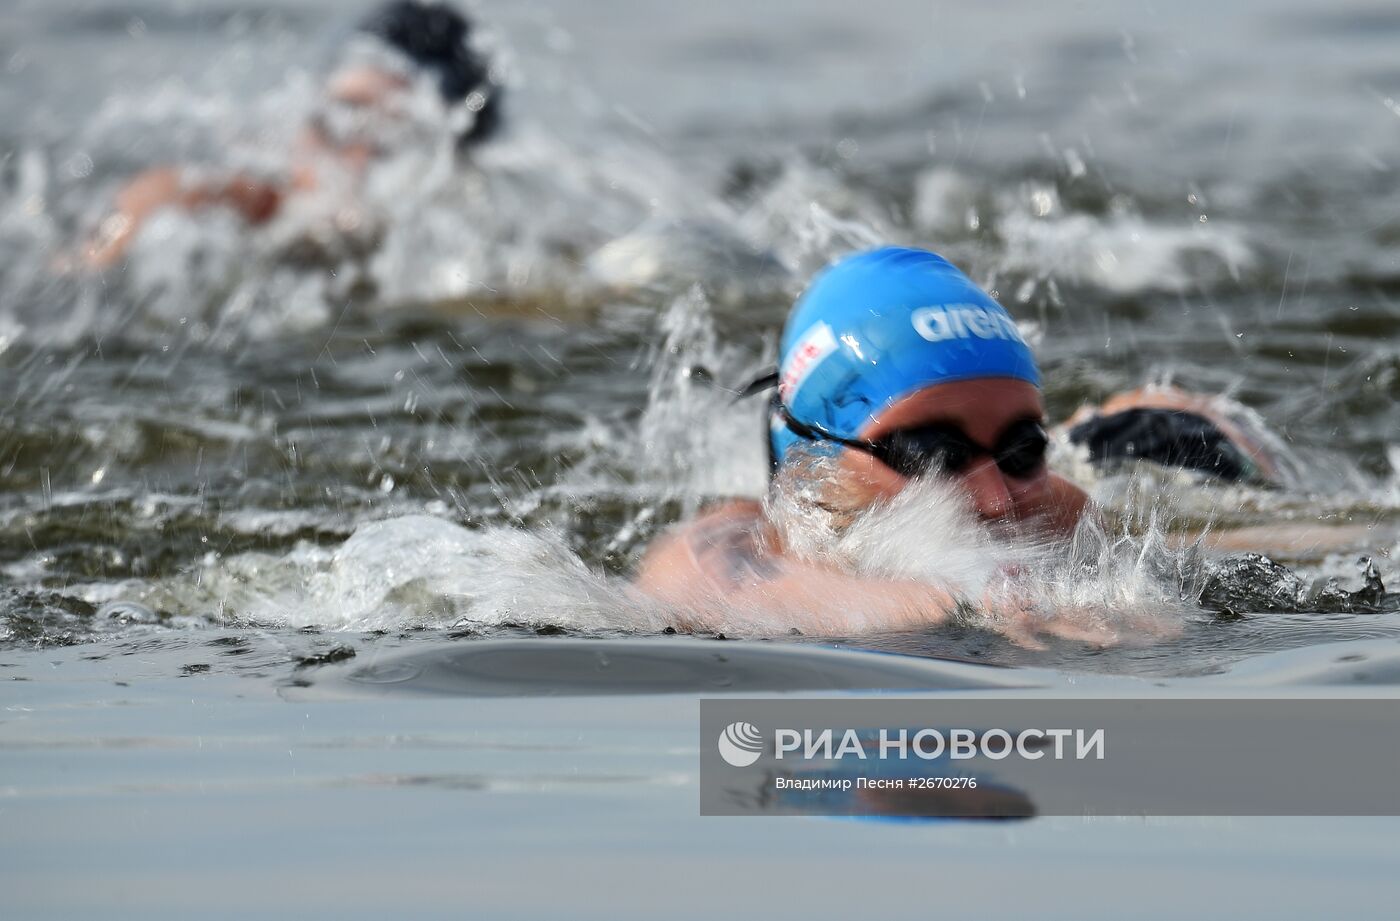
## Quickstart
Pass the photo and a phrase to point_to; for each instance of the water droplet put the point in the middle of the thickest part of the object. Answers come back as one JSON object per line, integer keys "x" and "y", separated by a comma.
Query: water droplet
{"x": 1075, "y": 163}
{"x": 80, "y": 166}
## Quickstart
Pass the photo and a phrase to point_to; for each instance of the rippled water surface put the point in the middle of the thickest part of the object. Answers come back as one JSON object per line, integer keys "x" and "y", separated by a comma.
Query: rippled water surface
{"x": 518, "y": 377}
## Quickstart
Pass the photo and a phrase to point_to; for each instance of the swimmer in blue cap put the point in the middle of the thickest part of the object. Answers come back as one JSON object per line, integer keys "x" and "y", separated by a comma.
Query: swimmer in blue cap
{"x": 362, "y": 114}
{"x": 894, "y": 365}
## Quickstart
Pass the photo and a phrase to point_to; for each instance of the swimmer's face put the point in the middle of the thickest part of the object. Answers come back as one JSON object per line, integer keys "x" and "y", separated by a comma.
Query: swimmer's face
{"x": 365, "y": 110}
{"x": 984, "y": 411}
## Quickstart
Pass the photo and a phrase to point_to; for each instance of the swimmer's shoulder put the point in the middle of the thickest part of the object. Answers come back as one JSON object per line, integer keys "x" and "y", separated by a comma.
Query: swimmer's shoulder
{"x": 696, "y": 555}
{"x": 1065, "y": 505}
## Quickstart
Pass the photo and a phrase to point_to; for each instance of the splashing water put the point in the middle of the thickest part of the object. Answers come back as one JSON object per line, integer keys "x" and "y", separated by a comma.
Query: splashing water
{"x": 928, "y": 534}
{"x": 416, "y": 571}
{"x": 524, "y": 357}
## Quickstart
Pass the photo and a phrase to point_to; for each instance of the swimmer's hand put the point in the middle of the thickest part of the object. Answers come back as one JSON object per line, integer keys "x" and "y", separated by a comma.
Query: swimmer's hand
{"x": 1024, "y": 623}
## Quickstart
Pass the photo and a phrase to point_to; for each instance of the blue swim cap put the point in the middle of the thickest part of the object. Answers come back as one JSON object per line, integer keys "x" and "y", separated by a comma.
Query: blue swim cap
{"x": 877, "y": 326}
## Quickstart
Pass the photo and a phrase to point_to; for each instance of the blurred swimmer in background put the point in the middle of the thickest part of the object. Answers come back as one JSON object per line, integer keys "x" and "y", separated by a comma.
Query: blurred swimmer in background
{"x": 897, "y": 370}
{"x": 369, "y": 108}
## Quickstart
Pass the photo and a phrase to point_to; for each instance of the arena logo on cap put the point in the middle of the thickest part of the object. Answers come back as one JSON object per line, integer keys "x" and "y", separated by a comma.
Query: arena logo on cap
{"x": 814, "y": 346}
{"x": 960, "y": 321}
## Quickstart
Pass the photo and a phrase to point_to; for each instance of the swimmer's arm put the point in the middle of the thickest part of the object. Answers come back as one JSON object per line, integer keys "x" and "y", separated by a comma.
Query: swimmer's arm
{"x": 719, "y": 573}
{"x": 166, "y": 187}
{"x": 1293, "y": 540}
{"x": 824, "y": 601}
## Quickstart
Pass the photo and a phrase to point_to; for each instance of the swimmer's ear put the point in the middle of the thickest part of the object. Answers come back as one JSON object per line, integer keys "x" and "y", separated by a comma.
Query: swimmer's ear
{"x": 758, "y": 385}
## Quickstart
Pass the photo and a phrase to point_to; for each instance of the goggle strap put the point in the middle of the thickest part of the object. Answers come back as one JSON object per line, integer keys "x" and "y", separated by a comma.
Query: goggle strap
{"x": 757, "y": 385}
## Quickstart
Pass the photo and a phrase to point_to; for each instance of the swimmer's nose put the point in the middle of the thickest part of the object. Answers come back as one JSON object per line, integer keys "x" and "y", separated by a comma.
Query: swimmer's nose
{"x": 985, "y": 483}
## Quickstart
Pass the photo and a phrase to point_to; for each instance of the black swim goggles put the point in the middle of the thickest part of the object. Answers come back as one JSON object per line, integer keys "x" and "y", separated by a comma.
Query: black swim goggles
{"x": 938, "y": 448}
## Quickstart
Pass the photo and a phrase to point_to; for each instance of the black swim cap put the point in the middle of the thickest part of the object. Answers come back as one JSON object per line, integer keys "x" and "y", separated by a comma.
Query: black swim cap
{"x": 434, "y": 36}
{"x": 1170, "y": 437}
